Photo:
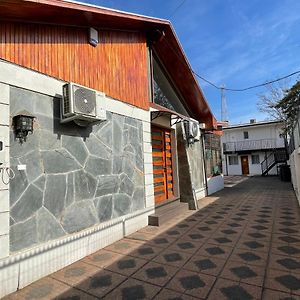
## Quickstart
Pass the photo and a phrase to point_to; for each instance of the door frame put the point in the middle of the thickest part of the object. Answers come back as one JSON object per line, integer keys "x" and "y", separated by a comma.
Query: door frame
{"x": 176, "y": 191}
{"x": 245, "y": 156}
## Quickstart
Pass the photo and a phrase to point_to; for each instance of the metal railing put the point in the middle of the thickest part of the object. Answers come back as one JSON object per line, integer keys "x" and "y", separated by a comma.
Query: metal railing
{"x": 277, "y": 156}
{"x": 252, "y": 145}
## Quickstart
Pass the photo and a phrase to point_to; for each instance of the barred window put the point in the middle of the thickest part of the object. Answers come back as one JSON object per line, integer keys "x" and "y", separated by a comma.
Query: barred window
{"x": 255, "y": 159}
{"x": 233, "y": 160}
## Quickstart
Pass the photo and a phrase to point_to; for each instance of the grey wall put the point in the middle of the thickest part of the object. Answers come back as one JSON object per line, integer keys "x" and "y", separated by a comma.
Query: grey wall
{"x": 75, "y": 177}
{"x": 195, "y": 158}
{"x": 191, "y": 171}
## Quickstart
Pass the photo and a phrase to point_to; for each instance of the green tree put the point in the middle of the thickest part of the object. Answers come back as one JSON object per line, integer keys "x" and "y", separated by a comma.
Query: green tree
{"x": 289, "y": 106}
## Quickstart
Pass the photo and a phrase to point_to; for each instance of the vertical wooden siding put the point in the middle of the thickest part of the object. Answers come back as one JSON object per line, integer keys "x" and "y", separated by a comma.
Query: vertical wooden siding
{"x": 117, "y": 66}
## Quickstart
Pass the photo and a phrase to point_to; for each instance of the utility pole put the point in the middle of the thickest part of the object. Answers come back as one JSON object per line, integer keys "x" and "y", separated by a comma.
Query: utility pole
{"x": 224, "y": 113}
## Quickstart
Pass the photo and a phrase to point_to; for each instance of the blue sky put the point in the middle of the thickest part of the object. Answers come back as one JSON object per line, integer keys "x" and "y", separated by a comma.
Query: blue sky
{"x": 232, "y": 42}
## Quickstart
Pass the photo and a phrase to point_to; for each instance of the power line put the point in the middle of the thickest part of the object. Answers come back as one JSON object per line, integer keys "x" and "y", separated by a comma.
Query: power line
{"x": 175, "y": 10}
{"x": 231, "y": 89}
{"x": 249, "y": 87}
{"x": 263, "y": 84}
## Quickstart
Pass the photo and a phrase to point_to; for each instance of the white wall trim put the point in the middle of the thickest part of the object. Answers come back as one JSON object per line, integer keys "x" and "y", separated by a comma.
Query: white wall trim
{"x": 4, "y": 188}
{"x": 21, "y": 77}
{"x": 21, "y": 269}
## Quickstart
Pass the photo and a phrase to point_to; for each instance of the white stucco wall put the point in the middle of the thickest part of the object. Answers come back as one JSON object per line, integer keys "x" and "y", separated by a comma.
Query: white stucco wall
{"x": 215, "y": 184}
{"x": 263, "y": 132}
{"x": 295, "y": 161}
{"x": 256, "y": 132}
{"x": 254, "y": 169}
{"x": 4, "y": 188}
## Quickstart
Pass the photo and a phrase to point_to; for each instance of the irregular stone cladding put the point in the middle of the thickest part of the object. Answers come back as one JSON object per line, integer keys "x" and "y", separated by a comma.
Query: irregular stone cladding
{"x": 75, "y": 177}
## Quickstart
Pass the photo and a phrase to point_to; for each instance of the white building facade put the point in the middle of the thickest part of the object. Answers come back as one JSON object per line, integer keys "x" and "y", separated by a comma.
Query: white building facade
{"x": 255, "y": 148}
{"x": 294, "y": 161}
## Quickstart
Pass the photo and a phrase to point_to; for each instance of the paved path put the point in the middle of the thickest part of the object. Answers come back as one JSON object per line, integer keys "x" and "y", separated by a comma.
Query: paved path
{"x": 244, "y": 245}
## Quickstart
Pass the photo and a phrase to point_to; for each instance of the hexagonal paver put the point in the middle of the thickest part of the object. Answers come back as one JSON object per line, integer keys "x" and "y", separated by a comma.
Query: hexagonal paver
{"x": 236, "y": 292}
{"x": 243, "y": 272}
{"x": 289, "y": 281}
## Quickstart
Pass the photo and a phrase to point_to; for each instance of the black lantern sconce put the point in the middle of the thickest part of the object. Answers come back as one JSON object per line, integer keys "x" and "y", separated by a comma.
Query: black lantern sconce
{"x": 23, "y": 124}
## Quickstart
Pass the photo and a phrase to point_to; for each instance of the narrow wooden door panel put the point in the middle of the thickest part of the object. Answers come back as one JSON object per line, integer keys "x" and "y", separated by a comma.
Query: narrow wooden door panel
{"x": 245, "y": 165}
{"x": 162, "y": 164}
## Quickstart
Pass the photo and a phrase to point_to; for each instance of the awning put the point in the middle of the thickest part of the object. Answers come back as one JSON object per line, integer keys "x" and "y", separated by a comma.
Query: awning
{"x": 160, "y": 111}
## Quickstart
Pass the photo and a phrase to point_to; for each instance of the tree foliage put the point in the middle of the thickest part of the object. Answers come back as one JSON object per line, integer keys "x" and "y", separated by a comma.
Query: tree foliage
{"x": 289, "y": 105}
{"x": 281, "y": 103}
{"x": 268, "y": 101}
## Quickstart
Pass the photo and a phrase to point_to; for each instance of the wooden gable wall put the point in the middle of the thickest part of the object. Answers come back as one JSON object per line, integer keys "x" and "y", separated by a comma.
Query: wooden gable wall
{"x": 117, "y": 66}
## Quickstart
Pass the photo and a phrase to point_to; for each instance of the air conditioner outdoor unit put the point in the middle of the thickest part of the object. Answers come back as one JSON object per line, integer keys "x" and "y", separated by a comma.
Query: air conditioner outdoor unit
{"x": 82, "y": 105}
{"x": 192, "y": 130}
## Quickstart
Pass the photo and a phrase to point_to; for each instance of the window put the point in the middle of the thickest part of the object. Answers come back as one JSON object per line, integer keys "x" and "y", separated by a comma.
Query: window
{"x": 255, "y": 159}
{"x": 164, "y": 92}
{"x": 233, "y": 160}
{"x": 246, "y": 135}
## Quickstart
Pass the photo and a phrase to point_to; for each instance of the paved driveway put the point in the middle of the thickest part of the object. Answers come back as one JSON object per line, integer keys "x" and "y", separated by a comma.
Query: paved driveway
{"x": 244, "y": 245}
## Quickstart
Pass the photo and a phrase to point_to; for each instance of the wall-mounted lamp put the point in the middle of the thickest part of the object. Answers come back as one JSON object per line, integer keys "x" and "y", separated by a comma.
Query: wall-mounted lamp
{"x": 93, "y": 37}
{"x": 23, "y": 124}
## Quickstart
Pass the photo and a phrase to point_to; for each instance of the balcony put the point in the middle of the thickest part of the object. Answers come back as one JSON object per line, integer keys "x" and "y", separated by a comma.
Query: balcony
{"x": 250, "y": 145}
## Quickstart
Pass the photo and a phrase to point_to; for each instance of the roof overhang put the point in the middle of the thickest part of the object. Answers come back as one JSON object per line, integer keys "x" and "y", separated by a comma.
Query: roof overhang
{"x": 160, "y": 111}
{"x": 168, "y": 48}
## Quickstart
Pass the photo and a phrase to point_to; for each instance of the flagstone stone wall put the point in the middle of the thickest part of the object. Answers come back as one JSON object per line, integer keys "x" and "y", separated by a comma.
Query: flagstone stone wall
{"x": 75, "y": 177}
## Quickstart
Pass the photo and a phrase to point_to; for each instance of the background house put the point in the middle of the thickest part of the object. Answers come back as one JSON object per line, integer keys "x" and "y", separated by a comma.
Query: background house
{"x": 255, "y": 148}
{"x": 77, "y": 189}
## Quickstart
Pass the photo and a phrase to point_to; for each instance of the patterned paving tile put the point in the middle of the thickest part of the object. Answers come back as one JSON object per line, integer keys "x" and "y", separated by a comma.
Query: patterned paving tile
{"x": 253, "y": 244}
{"x": 225, "y": 240}
{"x": 288, "y": 230}
{"x": 146, "y": 251}
{"x": 208, "y": 265}
{"x": 285, "y": 263}
{"x": 231, "y": 290}
{"x": 192, "y": 283}
{"x": 257, "y": 235}
{"x": 229, "y": 231}
{"x": 234, "y": 224}
{"x": 167, "y": 294}
{"x": 102, "y": 258}
{"x": 124, "y": 246}
{"x": 256, "y": 258}
{"x": 285, "y": 250}
{"x": 275, "y": 295}
{"x": 133, "y": 289}
{"x": 126, "y": 265}
{"x": 283, "y": 281}
{"x": 186, "y": 245}
{"x": 75, "y": 273}
{"x": 74, "y": 294}
{"x": 101, "y": 283}
{"x": 218, "y": 251}
{"x": 172, "y": 258}
{"x": 46, "y": 288}
{"x": 156, "y": 273}
{"x": 195, "y": 236}
{"x": 287, "y": 223}
{"x": 259, "y": 227}
{"x": 242, "y": 272}
{"x": 162, "y": 241}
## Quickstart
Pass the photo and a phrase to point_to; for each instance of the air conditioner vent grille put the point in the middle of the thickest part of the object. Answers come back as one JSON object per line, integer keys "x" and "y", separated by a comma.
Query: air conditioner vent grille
{"x": 84, "y": 100}
{"x": 67, "y": 107}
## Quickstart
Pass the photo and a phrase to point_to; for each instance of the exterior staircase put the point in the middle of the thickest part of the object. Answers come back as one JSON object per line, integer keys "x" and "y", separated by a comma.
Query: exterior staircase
{"x": 167, "y": 211}
{"x": 275, "y": 157}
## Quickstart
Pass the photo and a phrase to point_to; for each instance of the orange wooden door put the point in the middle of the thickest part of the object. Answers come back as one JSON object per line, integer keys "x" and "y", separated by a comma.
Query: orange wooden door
{"x": 245, "y": 165}
{"x": 162, "y": 164}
